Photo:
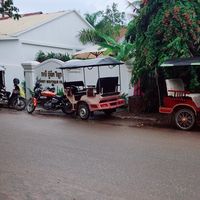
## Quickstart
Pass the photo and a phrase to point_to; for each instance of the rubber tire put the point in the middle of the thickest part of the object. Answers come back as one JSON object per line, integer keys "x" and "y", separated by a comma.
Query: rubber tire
{"x": 67, "y": 109}
{"x": 22, "y": 102}
{"x": 83, "y": 111}
{"x": 189, "y": 115}
{"x": 31, "y": 106}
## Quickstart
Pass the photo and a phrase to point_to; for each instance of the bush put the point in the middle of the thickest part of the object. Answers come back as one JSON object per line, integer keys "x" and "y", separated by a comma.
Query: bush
{"x": 41, "y": 56}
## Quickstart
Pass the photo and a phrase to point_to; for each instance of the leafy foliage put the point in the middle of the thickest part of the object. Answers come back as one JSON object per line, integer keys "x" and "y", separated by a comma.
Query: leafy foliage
{"x": 89, "y": 36}
{"x": 107, "y": 22}
{"x": 7, "y": 8}
{"x": 60, "y": 91}
{"x": 194, "y": 84}
{"x": 93, "y": 18}
{"x": 41, "y": 56}
{"x": 121, "y": 51}
{"x": 164, "y": 29}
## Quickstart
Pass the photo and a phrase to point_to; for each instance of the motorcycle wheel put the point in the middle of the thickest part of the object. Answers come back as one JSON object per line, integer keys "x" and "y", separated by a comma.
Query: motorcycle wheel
{"x": 19, "y": 104}
{"x": 67, "y": 107}
{"x": 30, "y": 106}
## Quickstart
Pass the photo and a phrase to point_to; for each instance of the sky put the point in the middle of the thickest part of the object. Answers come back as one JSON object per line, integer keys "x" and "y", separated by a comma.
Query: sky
{"x": 82, "y": 6}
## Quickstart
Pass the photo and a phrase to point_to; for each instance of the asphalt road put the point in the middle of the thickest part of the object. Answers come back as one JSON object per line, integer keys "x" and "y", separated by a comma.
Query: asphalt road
{"x": 62, "y": 158}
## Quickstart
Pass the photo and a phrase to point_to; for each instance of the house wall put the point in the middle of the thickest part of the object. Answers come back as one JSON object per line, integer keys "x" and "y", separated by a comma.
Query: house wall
{"x": 10, "y": 58}
{"x": 29, "y": 51}
{"x": 59, "y": 36}
{"x": 62, "y": 32}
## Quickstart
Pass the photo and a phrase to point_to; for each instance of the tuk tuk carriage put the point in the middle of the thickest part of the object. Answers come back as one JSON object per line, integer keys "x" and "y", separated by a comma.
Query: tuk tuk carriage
{"x": 178, "y": 83}
{"x": 85, "y": 99}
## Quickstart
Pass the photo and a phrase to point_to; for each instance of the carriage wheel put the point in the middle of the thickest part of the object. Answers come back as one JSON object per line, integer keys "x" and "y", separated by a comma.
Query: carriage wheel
{"x": 185, "y": 119}
{"x": 83, "y": 111}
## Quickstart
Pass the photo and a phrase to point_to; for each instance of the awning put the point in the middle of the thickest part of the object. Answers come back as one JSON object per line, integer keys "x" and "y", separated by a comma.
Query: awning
{"x": 90, "y": 52}
{"x": 96, "y": 62}
{"x": 194, "y": 61}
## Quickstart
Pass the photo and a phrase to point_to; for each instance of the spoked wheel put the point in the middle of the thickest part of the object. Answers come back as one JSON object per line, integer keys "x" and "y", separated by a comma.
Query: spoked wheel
{"x": 83, "y": 111}
{"x": 30, "y": 106}
{"x": 19, "y": 103}
{"x": 185, "y": 119}
{"x": 67, "y": 107}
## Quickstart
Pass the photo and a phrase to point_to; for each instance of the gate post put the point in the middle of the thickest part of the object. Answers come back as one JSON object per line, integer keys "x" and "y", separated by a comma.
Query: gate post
{"x": 29, "y": 75}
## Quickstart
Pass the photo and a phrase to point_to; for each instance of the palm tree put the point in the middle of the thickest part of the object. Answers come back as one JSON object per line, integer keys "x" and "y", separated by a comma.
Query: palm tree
{"x": 93, "y": 18}
{"x": 108, "y": 23}
{"x": 135, "y": 6}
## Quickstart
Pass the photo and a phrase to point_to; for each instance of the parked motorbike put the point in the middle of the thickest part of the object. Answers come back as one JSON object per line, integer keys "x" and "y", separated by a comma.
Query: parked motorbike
{"x": 46, "y": 99}
{"x": 14, "y": 100}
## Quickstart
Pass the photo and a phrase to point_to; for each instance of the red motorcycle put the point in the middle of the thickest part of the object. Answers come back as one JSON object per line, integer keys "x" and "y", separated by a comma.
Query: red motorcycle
{"x": 46, "y": 99}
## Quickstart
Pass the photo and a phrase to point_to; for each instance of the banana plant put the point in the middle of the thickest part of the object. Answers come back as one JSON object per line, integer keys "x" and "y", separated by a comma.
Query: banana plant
{"x": 122, "y": 51}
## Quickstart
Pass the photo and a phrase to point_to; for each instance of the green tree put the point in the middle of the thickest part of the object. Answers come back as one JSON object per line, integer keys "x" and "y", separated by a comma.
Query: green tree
{"x": 164, "y": 29}
{"x": 106, "y": 22}
{"x": 7, "y": 8}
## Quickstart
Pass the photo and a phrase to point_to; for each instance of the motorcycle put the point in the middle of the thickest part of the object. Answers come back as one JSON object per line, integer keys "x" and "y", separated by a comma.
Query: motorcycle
{"x": 14, "y": 100}
{"x": 46, "y": 99}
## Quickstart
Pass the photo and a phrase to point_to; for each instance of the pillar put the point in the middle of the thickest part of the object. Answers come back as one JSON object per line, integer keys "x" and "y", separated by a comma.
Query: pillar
{"x": 29, "y": 75}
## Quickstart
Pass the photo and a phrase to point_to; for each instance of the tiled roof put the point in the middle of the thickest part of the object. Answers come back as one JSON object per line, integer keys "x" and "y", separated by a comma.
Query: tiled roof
{"x": 10, "y": 27}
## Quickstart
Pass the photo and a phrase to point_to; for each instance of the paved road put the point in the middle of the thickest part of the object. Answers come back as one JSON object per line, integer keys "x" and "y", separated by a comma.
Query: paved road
{"x": 62, "y": 158}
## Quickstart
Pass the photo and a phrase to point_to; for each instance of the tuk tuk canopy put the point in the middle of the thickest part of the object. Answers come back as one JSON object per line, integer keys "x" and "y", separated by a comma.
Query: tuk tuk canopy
{"x": 96, "y": 62}
{"x": 194, "y": 61}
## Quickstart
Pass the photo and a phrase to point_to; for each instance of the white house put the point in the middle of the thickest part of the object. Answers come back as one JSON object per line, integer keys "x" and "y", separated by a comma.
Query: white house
{"x": 21, "y": 39}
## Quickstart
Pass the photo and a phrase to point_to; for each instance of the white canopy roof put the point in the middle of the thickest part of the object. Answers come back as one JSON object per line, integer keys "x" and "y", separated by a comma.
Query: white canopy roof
{"x": 96, "y": 62}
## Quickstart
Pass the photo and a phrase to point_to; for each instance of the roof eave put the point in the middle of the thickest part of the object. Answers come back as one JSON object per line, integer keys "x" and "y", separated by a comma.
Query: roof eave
{"x": 8, "y": 38}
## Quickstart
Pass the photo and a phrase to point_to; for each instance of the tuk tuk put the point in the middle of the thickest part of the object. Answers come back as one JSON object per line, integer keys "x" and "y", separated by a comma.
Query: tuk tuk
{"x": 178, "y": 83}
{"x": 85, "y": 99}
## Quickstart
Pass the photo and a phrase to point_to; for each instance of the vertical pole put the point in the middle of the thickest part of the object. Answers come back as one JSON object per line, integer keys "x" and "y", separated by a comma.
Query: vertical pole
{"x": 62, "y": 76}
{"x": 3, "y": 78}
{"x": 120, "y": 78}
{"x": 98, "y": 73}
{"x": 84, "y": 76}
{"x": 99, "y": 80}
{"x": 2, "y": 5}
